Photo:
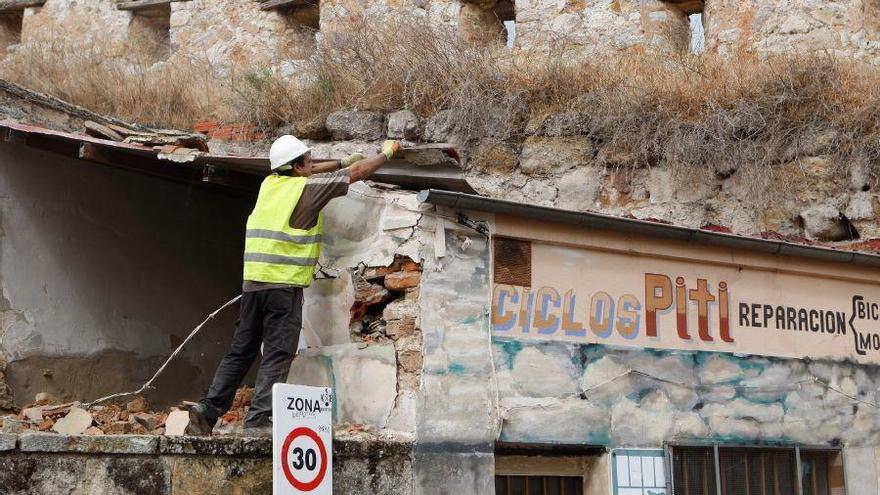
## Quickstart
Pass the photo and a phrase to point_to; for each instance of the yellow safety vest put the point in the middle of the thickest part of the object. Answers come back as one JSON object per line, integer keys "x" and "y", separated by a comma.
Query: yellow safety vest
{"x": 274, "y": 251}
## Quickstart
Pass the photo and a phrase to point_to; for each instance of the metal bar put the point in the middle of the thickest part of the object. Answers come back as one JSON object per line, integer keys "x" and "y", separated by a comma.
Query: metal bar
{"x": 717, "y": 469}
{"x": 607, "y": 222}
{"x": 142, "y": 4}
{"x": 799, "y": 470}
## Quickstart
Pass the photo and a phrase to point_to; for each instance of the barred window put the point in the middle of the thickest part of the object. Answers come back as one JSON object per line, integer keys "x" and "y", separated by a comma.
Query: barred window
{"x": 756, "y": 471}
{"x": 539, "y": 485}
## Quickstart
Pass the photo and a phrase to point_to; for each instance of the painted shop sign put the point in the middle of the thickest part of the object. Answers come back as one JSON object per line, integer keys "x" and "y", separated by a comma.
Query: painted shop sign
{"x": 591, "y": 296}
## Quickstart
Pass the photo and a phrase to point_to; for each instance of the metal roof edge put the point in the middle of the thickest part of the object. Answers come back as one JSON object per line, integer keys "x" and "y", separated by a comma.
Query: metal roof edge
{"x": 241, "y": 173}
{"x": 634, "y": 226}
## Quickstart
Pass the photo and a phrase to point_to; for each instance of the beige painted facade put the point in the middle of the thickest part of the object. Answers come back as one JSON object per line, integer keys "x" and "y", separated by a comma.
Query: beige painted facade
{"x": 601, "y": 287}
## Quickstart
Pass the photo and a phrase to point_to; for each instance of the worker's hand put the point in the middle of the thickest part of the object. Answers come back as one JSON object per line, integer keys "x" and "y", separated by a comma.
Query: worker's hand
{"x": 390, "y": 147}
{"x": 347, "y": 161}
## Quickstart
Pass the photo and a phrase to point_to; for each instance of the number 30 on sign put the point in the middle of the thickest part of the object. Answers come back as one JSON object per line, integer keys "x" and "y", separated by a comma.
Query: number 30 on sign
{"x": 302, "y": 439}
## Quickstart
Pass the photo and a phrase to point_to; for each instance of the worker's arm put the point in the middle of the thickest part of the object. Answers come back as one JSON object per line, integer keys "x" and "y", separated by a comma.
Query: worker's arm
{"x": 325, "y": 166}
{"x": 334, "y": 165}
{"x": 363, "y": 169}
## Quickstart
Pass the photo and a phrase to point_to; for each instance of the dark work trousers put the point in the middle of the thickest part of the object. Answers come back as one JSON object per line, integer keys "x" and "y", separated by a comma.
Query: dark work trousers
{"x": 272, "y": 317}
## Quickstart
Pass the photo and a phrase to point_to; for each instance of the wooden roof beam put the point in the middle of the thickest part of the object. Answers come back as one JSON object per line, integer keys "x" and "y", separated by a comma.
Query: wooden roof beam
{"x": 277, "y": 4}
{"x": 136, "y": 5}
{"x": 7, "y": 6}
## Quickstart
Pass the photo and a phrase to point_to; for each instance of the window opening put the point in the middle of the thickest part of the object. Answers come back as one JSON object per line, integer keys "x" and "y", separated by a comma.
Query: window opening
{"x": 149, "y": 30}
{"x": 539, "y": 485}
{"x": 756, "y": 471}
{"x": 698, "y": 34}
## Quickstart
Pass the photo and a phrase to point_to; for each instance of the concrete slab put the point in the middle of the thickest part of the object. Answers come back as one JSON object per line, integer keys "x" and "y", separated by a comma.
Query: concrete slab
{"x": 189, "y": 445}
{"x": 106, "y": 444}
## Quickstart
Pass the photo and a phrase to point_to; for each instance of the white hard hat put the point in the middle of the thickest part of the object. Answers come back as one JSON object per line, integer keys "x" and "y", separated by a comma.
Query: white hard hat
{"x": 286, "y": 149}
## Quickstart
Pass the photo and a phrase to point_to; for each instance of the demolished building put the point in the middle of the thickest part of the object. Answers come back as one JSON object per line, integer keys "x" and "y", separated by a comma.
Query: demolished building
{"x": 474, "y": 345}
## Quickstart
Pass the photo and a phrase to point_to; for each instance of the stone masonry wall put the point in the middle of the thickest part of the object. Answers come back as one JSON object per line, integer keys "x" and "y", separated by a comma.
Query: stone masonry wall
{"x": 36, "y": 463}
{"x": 230, "y": 33}
{"x": 814, "y": 197}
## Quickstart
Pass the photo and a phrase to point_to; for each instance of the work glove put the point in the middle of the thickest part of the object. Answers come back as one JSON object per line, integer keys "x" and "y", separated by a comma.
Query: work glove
{"x": 347, "y": 161}
{"x": 390, "y": 147}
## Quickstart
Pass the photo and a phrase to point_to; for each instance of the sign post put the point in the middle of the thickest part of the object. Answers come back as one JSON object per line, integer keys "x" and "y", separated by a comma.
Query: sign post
{"x": 302, "y": 440}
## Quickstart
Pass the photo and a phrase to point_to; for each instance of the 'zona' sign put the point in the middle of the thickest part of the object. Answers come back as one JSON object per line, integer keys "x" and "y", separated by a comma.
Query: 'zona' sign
{"x": 302, "y": 440}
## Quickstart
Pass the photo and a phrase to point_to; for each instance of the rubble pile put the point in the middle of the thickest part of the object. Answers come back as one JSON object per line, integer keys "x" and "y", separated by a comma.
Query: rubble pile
{"x": 47, "y": 414}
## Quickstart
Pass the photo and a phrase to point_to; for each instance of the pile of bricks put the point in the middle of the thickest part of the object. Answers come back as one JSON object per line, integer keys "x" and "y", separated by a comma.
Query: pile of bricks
{"x": 46, "y": 414}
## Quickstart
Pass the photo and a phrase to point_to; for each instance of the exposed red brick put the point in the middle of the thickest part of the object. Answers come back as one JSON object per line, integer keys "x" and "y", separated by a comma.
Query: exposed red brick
{"x": 229, "y": 132}
{"x": 870, "y": 245}
{"x": 398, "y": 281}
{"x": 716, "y": 228}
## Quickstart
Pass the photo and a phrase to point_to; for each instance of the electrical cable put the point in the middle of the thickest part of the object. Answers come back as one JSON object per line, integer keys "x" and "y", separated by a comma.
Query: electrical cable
{"x": 174, "y": 354}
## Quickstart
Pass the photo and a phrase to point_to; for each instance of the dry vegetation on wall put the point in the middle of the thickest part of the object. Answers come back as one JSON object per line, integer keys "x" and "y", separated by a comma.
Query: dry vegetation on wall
{"x": 641, "y": 109}
{"x": 126, "y": 84}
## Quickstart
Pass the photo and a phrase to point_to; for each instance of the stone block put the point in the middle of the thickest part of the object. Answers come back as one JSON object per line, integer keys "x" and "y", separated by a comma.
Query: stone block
{"x": 356, "y": 124}
{"x": 176, "y": 423}
{"x": 579, "y": 189}
{"x": 440, "y": 126}
{"x": 494, "y": 155}
{"x": 93, "y": 444}
{"x": 231, "y": 446}
{"x": 548, "y": 155}
{"x": 403, "y": 125}
{"x": 8, "y": 441}
{"x": 403, "y": 327}
{"x": 826, "y": 223}
{"x": 137, "y": 405}
{"x": 75, "y": 422}
{"x": 861, "y": 206}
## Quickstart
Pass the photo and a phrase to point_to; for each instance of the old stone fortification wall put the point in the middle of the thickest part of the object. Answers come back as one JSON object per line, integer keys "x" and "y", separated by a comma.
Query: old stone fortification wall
{"x": 230, "y": 32}
{"x": 37, "y": 463}
{"x": 813, "y": 197}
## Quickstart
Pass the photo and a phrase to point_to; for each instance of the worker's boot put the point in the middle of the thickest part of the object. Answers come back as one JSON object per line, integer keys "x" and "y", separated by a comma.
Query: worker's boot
{"x": 199, "y": 422}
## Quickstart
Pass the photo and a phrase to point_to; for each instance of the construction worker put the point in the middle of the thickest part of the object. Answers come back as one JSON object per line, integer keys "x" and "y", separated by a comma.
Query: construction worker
{"x": 282, "y": 246}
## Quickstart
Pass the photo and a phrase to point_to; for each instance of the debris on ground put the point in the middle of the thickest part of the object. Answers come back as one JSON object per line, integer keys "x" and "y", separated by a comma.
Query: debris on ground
{"x": 130, "y": 418}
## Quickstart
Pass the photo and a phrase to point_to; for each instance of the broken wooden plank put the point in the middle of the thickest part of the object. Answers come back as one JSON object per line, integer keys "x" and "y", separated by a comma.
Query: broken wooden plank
{"x": 276, "y": 4}
{"x": 97, "y": 130}
{"x": 19, "y": 5}
{"x": 142, "y": 4}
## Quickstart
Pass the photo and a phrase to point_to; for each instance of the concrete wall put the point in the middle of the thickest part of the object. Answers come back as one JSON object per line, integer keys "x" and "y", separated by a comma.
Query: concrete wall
{"x": 41, "y": 463}
{"x": 454, "y": 443}
{"x": 103, "y": 272}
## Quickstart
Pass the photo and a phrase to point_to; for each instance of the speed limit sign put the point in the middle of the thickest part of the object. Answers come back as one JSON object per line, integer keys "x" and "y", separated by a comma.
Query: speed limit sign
{"x": 302, "y": 439}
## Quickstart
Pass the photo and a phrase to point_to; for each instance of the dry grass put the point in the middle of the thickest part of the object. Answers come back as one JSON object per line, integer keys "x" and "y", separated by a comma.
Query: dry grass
{"x": 127, "y": 85}
{"x": 641, "y": 109}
